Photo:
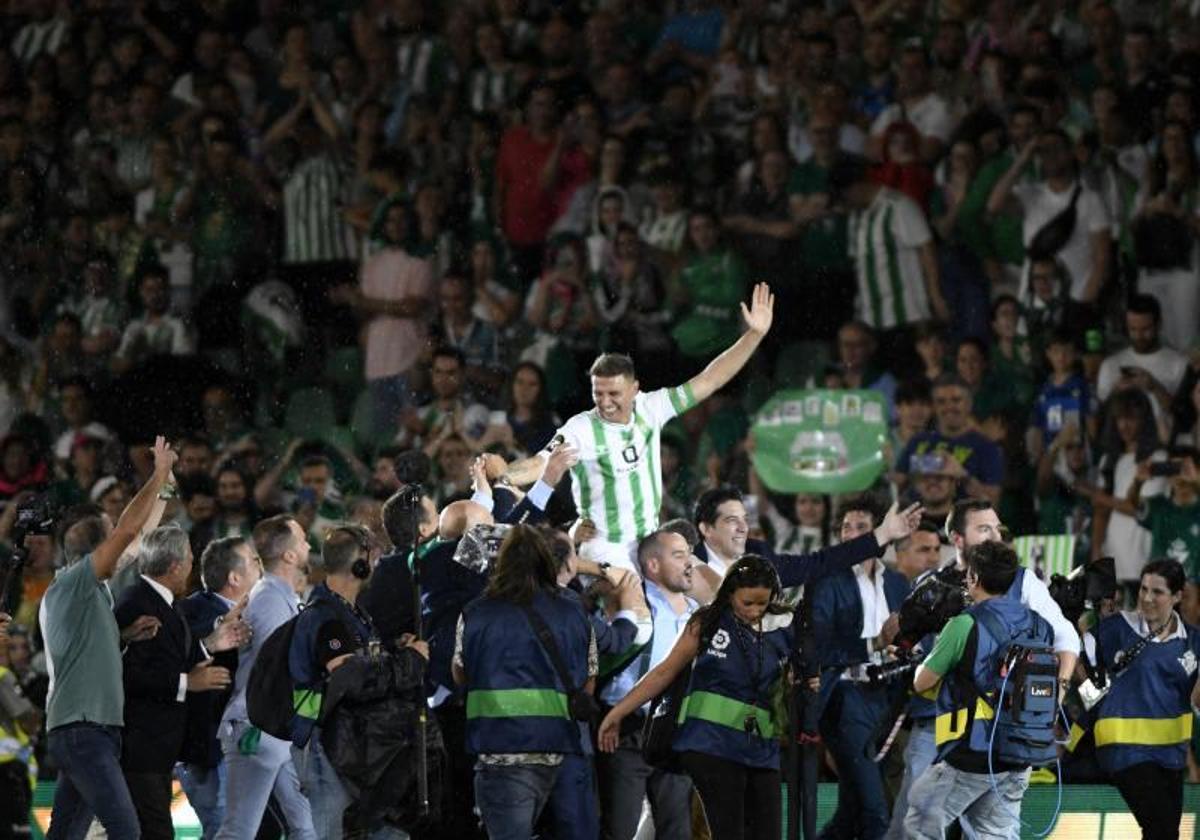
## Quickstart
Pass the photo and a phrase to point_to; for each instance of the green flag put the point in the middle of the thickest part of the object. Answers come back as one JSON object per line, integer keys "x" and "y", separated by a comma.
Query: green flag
{"x": 820, "y": 441}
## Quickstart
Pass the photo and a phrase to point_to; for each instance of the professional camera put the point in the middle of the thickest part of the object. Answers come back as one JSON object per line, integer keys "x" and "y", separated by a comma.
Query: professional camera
{"x": 479, "y": 546}
{"x": 934, "y": 601}
{"x": 36, "y": 517}
{"x": 1084, "y": 588}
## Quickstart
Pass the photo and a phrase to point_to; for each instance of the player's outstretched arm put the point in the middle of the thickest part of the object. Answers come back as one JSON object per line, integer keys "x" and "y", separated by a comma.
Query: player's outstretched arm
{"x": 519, "y": 473}
{"x": 726, "y": 366}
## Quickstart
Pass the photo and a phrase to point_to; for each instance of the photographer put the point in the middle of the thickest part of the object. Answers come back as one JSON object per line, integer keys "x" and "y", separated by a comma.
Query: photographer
{"x": 965, "y": 666}
{"x": 1144, "y": 722}
{"x": 519, "y": 712}
{"x": 85, "y": 707}
{"x": 328, "y": 632}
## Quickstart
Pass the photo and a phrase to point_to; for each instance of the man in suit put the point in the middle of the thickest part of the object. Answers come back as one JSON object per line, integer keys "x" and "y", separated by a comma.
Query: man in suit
{"x": 158, "y": 672}
{"x": 721, "y": 519}
{"x": 229, "y": 568}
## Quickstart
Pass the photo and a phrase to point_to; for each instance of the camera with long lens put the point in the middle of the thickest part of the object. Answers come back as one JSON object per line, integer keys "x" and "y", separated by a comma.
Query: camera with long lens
{"x": 927, "y": 609}
{"x": 1084, "y": 588}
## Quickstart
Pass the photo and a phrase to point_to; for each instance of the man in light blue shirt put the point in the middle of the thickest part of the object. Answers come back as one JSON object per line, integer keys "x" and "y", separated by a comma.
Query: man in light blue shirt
{"x": 625, "y": 778}
{"x": 257, "y": 764}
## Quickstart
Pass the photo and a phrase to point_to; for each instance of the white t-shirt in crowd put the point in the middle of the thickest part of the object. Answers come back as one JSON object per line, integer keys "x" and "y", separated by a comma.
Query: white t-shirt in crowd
{"x": 1164, "y": 364}
{"x": 1041, "y": 204}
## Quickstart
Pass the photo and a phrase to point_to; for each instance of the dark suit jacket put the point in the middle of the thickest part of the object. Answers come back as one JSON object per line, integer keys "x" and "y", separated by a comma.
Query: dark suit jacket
{"x": 204, "y": 708}
{"x": 799, "y": 569}
{"x": 155, "y": 720}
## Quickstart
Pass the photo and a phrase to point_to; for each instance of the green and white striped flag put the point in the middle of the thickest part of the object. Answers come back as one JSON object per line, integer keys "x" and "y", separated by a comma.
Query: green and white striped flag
{"x": 1052, "y": 554}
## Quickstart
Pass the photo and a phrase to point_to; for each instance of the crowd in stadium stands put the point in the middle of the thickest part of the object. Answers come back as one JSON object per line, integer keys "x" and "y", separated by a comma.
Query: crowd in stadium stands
{"x": 304, "y": 239}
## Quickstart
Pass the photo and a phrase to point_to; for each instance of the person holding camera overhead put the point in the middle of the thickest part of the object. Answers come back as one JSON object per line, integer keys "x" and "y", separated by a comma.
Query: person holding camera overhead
{"x": 727, "y": 736}
{"x": 1148, "y": 658}
{"x": 527, "y": 656}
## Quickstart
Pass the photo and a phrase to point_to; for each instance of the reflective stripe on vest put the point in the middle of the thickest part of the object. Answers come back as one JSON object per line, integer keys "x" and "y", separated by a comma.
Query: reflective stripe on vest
{"x": 1076, "y": 735}
{"x": 1144, "y": 732}
{"x": 950, "y": 726}
{"x": 724, "y": 711}
{"x": 517, "y": 702}
{"x": 307, "y": 702}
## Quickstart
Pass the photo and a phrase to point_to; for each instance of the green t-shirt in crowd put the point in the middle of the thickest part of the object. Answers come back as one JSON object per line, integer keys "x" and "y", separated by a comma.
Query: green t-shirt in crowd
{"x": 83, "y": 645}
{"x": 824, "y": 243}
{"x": 998, "y": 237}
{"x": 715, "y": 285}
{"x": 1174, "y": 532}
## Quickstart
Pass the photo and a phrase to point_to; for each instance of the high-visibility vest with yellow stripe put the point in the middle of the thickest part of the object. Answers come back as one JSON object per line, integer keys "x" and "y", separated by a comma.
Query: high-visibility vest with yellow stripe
{"x": 516, "y": 702}
{"x": 1147, "y": 714}
{"x": 727, "y": 711}
{"x": 966, "y": 696}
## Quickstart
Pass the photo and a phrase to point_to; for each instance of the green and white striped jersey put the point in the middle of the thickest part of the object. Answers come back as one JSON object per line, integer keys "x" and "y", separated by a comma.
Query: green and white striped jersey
{"x": 617, "y": 482}
{"x": 884, "y": 240}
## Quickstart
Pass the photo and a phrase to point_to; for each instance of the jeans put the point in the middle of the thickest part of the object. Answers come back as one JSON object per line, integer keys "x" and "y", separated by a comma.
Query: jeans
{"x": 919, "y": 754}
{"x": 510, "y": 797}
{"x": 253, "y": 778}
{"x": 573, "y": 808}
{"x": 944, "y": 793}
{"x": 327, "y": 794}
{"x": 853, "y": 717}
{"x": 626, "y": 779}
{"x": 205, "y": 789}
{"x": 90, "y": 782}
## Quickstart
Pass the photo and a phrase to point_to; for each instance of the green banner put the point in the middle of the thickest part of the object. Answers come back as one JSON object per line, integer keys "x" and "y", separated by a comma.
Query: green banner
{"x": 820, "y": 441}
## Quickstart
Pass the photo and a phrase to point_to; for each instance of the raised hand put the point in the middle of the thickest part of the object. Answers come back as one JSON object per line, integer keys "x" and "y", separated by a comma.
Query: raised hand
{"x": 761, "y": 310}
{"x": 561, "y": 459}
{"x": 230, "y": 634}
{"x": 898, "y": 524}
{"x": 164, "y": 456}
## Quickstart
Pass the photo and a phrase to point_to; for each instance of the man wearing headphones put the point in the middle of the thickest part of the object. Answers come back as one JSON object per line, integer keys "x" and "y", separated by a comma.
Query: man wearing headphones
{"x": 329, "y": 631}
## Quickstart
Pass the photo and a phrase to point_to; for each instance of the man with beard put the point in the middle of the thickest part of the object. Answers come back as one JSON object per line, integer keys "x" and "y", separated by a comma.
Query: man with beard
{"x": 156, "y": 333}
{"x": 383, "y": 481}
{"x": 1146, "y": 363}
{"x": 917, "y": 103}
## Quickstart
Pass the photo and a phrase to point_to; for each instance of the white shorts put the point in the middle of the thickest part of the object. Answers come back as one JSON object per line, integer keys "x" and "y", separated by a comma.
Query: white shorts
{"x": 620, "y": 555}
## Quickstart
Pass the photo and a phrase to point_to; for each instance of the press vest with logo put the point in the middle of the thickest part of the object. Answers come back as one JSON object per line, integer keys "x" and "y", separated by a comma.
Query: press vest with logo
{"x": 966, "y": 699}
{"x": 515, "y": 700}
{"x": 724, "y": 695}
{"x": 324, "y": 605}
{"x": 1146, "y": 715}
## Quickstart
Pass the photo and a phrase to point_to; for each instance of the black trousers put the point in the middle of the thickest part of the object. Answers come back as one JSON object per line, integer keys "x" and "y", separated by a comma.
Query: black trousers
{"x": 625, "y": 779}
{"x": 1155, "y": 796}
{"x": 151, "y": 795}
{"x": 740, "y": 802}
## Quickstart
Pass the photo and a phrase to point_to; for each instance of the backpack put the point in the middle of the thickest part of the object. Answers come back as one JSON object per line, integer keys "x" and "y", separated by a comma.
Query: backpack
{"x": 270, "y": 700}
{"x": 1026, "y": 708}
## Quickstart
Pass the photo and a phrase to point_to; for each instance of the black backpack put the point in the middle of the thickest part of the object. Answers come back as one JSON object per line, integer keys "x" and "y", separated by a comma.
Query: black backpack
{"x": 270, "y": 701}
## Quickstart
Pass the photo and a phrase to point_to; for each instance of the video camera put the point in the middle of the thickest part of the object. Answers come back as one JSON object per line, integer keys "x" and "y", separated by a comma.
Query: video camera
{"x": 1084, "y": 588}
{"x": 927, "y": 609}
{"x": 36, "y": 517}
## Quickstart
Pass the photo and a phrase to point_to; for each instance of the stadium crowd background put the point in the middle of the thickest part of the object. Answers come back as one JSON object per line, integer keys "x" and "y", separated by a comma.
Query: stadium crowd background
{"x": 306, "y": 237}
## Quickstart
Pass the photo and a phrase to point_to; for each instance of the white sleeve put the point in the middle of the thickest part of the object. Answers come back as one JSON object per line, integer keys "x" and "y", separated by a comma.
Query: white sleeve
{"x": 666, "y": 403}
{"x": 1094, "y": 213}
{"x": 1106, "y": 379}
{"x": 567, "y": 434}
{"x": 1036, "y": 596}
{"x": 911, "y": 227}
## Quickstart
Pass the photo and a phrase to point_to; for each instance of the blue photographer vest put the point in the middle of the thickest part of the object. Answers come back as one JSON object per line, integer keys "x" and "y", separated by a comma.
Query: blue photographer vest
{"x": 515, "y": 700}
{"x": 727, "y": 712}
{"x": 967, "y": 709}
{"x": 1147, "y": 714}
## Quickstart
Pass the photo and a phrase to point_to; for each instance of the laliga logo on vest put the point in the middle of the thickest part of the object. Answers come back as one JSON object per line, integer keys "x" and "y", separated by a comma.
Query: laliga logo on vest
{"x": 720, "y": 641}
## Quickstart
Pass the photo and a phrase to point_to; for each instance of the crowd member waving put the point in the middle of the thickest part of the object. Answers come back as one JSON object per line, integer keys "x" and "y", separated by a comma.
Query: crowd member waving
{"x": 727, "y": 737}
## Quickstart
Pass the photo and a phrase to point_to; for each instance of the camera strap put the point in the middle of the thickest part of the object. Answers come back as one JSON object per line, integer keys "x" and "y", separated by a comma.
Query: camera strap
{"x": 546, "y": 639}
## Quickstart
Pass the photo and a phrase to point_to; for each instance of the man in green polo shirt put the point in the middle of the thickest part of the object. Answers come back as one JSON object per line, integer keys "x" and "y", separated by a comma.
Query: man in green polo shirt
{"x": 85, "y": 704}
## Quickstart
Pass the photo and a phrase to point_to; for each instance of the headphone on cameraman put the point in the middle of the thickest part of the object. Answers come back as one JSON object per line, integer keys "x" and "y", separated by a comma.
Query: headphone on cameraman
{"x": 361, "y": 567}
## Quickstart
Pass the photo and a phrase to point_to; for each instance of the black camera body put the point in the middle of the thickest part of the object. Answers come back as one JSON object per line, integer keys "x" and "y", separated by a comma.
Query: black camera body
{"x": 934, "y": 601}
{"x": 1084, "y": 588}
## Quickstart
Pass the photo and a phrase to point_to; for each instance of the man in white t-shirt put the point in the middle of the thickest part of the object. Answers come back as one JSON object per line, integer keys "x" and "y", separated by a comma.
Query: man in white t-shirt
{"x": 1146, "y": 363}
{"x": 617, "y": 479}
{"x": 917, "y": 103}
{"x": 1086, "y": 255}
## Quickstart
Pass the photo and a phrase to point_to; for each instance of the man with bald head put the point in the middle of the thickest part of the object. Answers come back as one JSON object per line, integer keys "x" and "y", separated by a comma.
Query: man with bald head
{"x": 665, "y": 560}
